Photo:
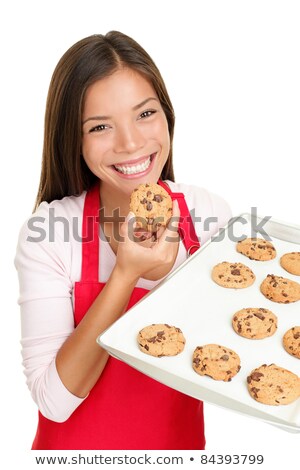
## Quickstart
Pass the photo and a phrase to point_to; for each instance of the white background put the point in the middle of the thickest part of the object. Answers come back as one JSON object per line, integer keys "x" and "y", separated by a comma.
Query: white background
{"x": 233, "y": 72}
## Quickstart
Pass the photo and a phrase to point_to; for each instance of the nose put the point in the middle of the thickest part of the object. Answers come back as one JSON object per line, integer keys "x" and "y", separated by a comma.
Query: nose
{"x": 128, "y": 139}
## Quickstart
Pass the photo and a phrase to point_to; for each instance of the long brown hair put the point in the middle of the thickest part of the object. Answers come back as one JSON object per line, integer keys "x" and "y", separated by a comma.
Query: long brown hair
{"x": 64, "y": 171}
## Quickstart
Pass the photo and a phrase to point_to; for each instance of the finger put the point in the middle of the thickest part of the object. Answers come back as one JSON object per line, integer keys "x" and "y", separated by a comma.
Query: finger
{"x": 174, "y": 221}
{"x": 127, "y": 227}
{"x": 171, "y": 231}
{"x": 159, "y": 232}
{"x": 141, "y": 234}
{"x": 149, "y": 243}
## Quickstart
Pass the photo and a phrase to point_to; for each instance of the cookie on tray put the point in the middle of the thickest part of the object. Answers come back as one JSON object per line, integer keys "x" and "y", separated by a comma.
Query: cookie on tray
{"x": 273, "y": 385}
{"x": 216, "y": 361}
{"x": 161, "y": 340}
{"x": 233, "y": 275}
{"x": 291, "y": 341}
{"x": 291, "y": 262}
{"x": 152, "y": 206}
{"x": 279, "y": 289}
{"x": 256, "y": 249}
{"x": 254, "y": 323}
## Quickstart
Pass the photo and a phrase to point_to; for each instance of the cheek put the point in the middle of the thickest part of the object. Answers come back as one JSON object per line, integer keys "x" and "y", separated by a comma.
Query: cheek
{"x": 162, "y": 133}
{"x": 166, "y": 140}
{"x": 93, "y": 151}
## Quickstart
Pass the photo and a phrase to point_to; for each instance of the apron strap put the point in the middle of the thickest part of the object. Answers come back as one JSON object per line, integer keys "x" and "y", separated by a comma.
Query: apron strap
{"x": 186, "y": 227}
{"x": 90, "y": 235}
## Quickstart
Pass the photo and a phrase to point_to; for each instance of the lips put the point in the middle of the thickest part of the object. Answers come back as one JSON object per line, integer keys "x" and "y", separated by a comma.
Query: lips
{"x": 135, "y": 167}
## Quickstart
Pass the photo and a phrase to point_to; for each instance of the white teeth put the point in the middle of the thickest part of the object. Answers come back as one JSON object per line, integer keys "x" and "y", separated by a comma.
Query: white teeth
{"x": 131, "y": 170}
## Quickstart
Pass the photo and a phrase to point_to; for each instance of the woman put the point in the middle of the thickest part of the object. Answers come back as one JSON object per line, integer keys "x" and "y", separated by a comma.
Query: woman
{"x": 108, "y": 127}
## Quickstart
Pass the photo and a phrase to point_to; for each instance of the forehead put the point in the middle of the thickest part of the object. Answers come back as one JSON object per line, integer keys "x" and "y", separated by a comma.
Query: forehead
{"x": 125, "y": 87}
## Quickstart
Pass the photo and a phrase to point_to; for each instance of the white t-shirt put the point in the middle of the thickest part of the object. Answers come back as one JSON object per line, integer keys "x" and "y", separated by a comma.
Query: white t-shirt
{"x": 48, "y": 261}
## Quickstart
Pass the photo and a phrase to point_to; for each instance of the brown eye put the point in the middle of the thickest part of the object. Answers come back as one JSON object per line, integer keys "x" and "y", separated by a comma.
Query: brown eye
{"x": 99, "y": 128}
{"x": 147, "y": 113}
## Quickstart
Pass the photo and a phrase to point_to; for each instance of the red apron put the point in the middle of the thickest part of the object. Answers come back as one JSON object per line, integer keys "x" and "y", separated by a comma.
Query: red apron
{"x": 125, "y": 409}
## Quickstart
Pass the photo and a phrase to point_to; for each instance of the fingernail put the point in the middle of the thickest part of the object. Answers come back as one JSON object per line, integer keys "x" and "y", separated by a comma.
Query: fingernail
{"x": 129, "y": 216}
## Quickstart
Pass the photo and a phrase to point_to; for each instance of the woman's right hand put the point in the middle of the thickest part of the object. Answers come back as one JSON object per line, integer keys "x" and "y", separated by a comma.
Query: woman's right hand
{"x": 135, "y": 259}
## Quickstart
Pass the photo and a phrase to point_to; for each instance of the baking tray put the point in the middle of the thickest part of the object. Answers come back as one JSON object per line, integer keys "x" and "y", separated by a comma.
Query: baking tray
{"x": 190, "y": 300}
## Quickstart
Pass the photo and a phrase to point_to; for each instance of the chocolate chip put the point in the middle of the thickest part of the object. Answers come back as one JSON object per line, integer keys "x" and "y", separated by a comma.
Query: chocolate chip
{"x": 256, "y": 376}
{"x": 152, "y": 340}
{"x": 235, "y": 272}
{"x": 149, "y": 206}
{"x": 157, "y": 198}
{"x": 255, "y": 390}
{"x": 144, "y": 201}
{"x": 196, "y": 361}
{"x": 225, "y": 357}
{"x": 259, "y": 315}
{"x": 160, "y": 333}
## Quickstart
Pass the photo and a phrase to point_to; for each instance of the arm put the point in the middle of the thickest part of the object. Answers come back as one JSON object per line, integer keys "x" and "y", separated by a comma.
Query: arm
{"x": 80, "y": 361}
{"x": 62, "y": 363}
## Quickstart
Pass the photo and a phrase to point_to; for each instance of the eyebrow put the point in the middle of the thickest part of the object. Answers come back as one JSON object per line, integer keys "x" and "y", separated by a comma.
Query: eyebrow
{"x": 135, "y": 108}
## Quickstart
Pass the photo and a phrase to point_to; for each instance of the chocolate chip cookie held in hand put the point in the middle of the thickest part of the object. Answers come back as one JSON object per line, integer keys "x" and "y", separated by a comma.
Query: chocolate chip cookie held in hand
{"x": 152, "y": 206}
{"x": 109, "y": 127}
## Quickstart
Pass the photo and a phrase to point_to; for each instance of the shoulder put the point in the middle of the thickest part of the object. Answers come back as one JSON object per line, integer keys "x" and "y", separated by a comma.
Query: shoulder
{"x": 203, "y": 201}
{"x": 56, "y": 217}
{"x": 208, "y": 210}
{"x": 44, "y": 240}
{"x": 68, "y": 206}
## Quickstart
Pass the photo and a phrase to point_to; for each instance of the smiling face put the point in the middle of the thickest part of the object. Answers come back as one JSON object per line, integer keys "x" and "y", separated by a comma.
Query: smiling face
{"x": 125, "y": 138}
